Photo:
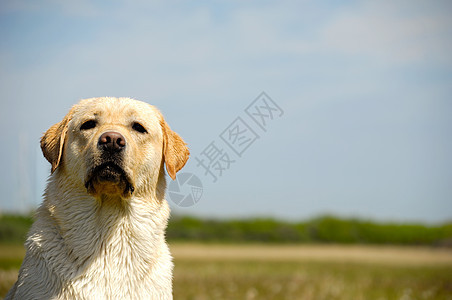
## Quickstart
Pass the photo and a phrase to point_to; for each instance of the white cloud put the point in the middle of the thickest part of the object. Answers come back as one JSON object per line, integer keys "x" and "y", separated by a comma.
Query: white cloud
{"x": 82, "y": 8}
{"x": 314, "y": 59}
{"x": 394, "y": 32}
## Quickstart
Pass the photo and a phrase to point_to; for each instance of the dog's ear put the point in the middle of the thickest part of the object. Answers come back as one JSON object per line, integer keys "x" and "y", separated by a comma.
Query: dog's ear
{"x": 52, "y": 142}
{"x": 175, "y": 151}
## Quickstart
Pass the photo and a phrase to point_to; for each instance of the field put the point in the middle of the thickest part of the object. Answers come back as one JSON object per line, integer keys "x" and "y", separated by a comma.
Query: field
{"x": 295, "y": 271}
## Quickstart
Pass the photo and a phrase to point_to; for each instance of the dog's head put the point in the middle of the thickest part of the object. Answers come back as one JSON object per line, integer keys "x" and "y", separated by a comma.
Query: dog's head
{"x": 114, "y": 146}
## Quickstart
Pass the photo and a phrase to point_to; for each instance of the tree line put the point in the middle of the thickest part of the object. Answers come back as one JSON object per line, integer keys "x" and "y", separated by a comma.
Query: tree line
{"x": 324, "y": 229}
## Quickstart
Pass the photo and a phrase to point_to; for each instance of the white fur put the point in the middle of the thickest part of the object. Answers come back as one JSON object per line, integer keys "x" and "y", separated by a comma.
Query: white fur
{"x": 99, "y": 247}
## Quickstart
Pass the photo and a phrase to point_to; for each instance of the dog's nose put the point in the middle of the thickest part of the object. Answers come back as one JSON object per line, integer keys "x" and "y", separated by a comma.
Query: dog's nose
{"x": 112, "y": 141}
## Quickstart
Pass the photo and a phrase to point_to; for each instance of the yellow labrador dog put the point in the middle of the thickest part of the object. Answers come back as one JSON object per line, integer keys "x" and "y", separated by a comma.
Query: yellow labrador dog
{"x": 100, "y": 231}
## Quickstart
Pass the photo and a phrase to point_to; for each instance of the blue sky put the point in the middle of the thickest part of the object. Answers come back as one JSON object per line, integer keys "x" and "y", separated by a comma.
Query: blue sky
{"x": 365, "y": 87}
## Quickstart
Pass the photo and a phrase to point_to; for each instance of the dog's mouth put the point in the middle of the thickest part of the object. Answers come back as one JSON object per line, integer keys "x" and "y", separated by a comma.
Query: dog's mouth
{"x": 109, "y": 178}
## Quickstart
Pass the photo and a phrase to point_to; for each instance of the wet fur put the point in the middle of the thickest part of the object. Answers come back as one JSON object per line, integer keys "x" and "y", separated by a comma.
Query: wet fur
{"x": 101, "y": 243}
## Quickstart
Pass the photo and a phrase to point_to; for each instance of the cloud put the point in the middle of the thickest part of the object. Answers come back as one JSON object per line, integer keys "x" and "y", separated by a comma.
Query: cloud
{"x": 82, "y": 8}
{"x": 337, "y": 70}
{"x": 397, "y": 32}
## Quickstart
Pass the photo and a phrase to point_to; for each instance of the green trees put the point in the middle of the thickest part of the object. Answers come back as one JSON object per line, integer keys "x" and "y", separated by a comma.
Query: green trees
{"x": 325, "y": 229}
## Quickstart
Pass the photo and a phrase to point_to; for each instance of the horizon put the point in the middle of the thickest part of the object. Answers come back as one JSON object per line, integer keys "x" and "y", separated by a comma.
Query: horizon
{"x": 357, "y": 121}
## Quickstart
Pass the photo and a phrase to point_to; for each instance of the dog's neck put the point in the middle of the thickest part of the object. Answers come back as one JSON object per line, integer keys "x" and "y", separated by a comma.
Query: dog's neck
{"x": 106, "y": 232}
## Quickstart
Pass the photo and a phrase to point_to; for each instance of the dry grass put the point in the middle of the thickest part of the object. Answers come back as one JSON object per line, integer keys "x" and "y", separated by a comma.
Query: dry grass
{"x": 311, "y": 272}
{"x": 308, "y": 280}
{"x": 295, "y": 272}
{"x": 322, "y": 253}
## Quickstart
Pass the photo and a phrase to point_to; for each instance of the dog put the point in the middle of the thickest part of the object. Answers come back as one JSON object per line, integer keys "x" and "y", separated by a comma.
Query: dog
{"x": 100, "y": 230}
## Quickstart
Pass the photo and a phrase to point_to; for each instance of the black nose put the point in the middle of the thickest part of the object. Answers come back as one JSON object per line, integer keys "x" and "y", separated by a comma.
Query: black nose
{"x": 112, "y": 141}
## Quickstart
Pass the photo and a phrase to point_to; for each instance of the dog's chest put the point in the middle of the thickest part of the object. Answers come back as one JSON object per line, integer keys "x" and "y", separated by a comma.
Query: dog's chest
{"x": 127, "y": 263}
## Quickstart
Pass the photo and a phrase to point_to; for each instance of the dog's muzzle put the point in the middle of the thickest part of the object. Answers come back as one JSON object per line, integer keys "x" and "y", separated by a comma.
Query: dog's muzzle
{"x": 108, "y": 172}
{"x": 111, "y": 142}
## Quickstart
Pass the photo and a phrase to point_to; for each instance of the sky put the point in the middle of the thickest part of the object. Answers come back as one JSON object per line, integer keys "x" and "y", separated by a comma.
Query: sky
{"x": 361, "y": 93}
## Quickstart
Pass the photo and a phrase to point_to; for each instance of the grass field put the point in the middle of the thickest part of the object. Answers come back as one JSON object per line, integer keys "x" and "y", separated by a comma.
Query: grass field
{"x": 294, "y": 272}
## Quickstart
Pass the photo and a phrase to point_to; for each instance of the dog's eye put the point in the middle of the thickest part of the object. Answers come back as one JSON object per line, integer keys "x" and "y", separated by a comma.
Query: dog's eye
{"x": 88, "y": 125}
{"x": 138, "y": 127}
